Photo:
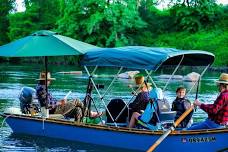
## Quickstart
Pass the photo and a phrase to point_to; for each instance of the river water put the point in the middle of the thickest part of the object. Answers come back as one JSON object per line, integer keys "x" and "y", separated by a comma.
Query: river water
{"x": 14, "y": 77}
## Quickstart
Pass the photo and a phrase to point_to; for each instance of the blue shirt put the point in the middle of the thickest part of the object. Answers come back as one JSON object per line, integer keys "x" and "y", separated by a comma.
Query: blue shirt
{"x": 41, "y": 95}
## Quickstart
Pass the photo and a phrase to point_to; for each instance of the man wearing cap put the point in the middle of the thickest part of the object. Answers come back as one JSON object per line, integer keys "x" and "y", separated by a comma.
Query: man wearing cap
{"x": 218, "y": 111}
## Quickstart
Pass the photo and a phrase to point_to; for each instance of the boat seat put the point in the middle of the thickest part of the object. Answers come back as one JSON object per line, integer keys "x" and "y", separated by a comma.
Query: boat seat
{"x": 166, "y": 120}
{"x": 167, "y": 117}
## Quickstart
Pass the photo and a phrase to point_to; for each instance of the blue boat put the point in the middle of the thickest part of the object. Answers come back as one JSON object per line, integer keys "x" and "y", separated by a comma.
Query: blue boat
{"x": 121, "y": 137}
{"x": 114, "y": 134}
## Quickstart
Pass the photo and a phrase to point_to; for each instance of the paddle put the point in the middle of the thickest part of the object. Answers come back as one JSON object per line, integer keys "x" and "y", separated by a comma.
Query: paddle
{"x": 176, "y": 123}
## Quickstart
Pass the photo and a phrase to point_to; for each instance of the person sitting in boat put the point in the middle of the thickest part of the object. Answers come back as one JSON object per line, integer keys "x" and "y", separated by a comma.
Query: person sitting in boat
{"x": 76, "y": 110}
{"x": 149, "y": 117}
{"x": 180, "y": 105}
{"x": 41, "y": 93}
{"x": 52, "y": 102}
{"x": 142, "y": 97}
{"x": 218, "y": 111}
{"x": 67, "y": 109}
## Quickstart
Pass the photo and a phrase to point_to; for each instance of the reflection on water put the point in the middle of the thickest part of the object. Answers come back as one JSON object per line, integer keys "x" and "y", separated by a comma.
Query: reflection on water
{"x": 40, "y": 144}
{"x": 13, "y": 78}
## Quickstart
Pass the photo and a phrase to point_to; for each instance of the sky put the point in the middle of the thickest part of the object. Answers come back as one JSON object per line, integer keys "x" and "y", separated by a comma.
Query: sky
{"x": 21, "y": 8}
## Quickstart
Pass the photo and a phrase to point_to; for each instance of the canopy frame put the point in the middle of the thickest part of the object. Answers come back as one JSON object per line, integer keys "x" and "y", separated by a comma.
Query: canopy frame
{"x": 147, "y": 77}
{"x": 101, "y": 96}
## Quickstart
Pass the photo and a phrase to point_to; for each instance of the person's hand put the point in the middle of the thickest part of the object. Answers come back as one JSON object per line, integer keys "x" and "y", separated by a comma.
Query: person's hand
{"x": 197, "y": 103}
{"x": 62, "y": 102}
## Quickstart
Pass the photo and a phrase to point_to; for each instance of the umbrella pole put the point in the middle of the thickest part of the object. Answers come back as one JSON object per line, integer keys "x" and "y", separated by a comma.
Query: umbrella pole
{"x": 46, "y": 86}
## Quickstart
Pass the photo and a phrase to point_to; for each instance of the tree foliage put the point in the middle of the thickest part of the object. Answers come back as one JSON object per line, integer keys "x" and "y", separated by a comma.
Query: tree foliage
{"x": 5, "y": 7}
{"x": 101, "y": 22}
{"x": 193, "y": 15}
{"x": 39, "y": 14}
{"x": 185, "y": 24}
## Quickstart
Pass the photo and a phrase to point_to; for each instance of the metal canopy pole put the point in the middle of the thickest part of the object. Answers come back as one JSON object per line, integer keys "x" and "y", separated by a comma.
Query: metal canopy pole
{"x": 173, "y": 73}
{"x": 112, "y": 81}
{"x": 199, "y": 78}
{"x": 127, "y": 105}
{"x": 94, "y": 85}
{"x": 148, "y": 74}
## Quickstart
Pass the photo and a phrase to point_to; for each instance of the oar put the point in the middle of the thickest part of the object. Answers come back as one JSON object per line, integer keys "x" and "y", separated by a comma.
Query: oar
{"x": 176, "y": 123}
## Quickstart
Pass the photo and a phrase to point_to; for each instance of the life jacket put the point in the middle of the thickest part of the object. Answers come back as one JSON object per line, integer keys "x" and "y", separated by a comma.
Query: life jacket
{"x": 179, "y": 107}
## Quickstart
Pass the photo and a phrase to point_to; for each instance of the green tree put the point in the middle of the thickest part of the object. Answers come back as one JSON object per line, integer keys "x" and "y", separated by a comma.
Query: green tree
{"x": 101, "y": 22}
{"x": 39, "y": 15}
{"x": 192, "y": 15}
{"x": 158, "y": 22}
{"x": 5, "y": 7}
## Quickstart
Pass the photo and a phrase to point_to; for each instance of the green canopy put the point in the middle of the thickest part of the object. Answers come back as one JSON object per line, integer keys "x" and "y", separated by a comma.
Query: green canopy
{"x": 44, "y": 43}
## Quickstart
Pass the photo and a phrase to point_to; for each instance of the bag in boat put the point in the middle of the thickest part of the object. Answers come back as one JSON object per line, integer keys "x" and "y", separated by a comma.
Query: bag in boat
{"x": 156, "y": 94}
{"x": 115, "y": 107}
{"x": 156, "y": 107}
{"x": 89, "y": 120}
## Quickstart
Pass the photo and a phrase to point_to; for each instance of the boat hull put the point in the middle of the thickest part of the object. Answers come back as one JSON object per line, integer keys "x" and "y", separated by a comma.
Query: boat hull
{"x": 204, "y": 140}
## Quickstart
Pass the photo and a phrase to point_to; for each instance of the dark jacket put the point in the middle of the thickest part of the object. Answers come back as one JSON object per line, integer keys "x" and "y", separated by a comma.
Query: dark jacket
{"x": 180, "y": 106}
{"x": 140, "y": 102}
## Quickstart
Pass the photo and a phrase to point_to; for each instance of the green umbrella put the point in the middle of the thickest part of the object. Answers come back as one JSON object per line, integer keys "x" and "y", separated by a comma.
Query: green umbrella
{"x": 44, "y": 43}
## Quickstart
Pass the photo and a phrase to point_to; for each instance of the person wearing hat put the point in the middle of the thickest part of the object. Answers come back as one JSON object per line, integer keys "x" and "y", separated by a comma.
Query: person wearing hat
{"x": 67, "y": 109}
{"x": 141, "y": 99}
{"x": 218, "y": 111}
{"x": 41, "y": 92}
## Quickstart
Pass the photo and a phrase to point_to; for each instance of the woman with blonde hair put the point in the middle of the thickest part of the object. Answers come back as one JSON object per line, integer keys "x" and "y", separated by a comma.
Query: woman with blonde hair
{"x": 141, "y": 99}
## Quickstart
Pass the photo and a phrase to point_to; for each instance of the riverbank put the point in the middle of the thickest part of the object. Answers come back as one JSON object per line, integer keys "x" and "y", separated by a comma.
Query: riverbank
{"x": 74, "y": 62}
{"x": 218, "y": 69}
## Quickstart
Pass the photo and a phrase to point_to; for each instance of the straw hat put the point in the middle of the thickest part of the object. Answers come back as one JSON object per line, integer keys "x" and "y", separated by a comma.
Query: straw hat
{"x": 43, "y": 76}
{"x": 223, "y": 78}
{"x": 140, "y": 81}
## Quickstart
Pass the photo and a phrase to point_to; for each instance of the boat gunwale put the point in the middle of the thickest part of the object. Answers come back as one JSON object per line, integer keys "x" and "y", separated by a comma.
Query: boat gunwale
{"x": 116, "y": 129}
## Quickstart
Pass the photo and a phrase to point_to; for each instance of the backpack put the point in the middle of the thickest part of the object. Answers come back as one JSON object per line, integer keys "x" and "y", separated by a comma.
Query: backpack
{"x": 156, "y": 105}
{"x": 161, "y": 105}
